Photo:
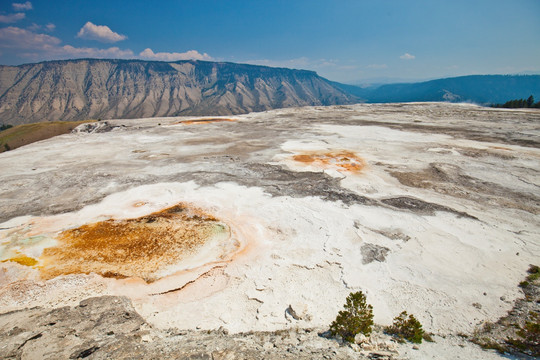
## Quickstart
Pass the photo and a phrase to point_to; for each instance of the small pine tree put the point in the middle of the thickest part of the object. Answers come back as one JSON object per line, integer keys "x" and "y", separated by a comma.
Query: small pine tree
{"x": 5, "y": 127}
{"x": 530, "y": 101}
{"x": 356, "y": 318}
{"x": 407, "y": 328}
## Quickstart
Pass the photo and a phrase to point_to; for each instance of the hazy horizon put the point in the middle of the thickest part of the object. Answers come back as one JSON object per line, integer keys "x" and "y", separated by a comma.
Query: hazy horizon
{"x": 348, "y": 41}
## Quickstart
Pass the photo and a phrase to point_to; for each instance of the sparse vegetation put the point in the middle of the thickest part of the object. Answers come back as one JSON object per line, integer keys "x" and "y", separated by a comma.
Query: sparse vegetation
{"x": 357, "y": 318}
{"x": 487, "y": 344}
{"x": 407, "y": 328}
{"x": 5, "y": 127}
{"x": 4, "y": 144}
{"x": 519, "y": 331}
{"x": 16, "y": 136}
{"x": 528, "y": 340}
{"x": 534, "y": 274}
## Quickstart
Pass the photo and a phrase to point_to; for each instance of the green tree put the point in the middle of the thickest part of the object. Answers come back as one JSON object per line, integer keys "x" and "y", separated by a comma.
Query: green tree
{"x": 5, "y": 127}
{"x": 407, "y": 328}
{"x": 530, "y": 101}
{"x": 355, "y": 319}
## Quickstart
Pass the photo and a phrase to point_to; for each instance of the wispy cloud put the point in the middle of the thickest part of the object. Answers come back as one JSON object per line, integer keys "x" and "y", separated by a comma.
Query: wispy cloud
{"x": 12, "y": 37}
{"x": 28, "y": 44}
{"x": 378, "y": 66}
{"x": 173, "y": 56}
{"x": 11, "y": 18}
{"x": 301, "y": 62}
{"x": 407, "y": 56}
{"x": 35, "y": 27}
{"x": 348, "y": 67}
{"x": 99, "y": 33}
{"x": 112, "y": 52}
{"x": 22, "y": 6}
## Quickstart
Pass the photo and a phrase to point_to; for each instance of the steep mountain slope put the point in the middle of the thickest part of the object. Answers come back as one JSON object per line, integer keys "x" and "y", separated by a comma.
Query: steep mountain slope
{"x": 89, "y": 88}
{"x": 482, "y": 89}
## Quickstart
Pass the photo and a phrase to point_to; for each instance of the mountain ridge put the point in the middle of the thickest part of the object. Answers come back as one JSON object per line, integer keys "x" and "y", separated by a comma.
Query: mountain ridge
{"x": 116, "y": 88}
{"x": 82, "y": 89}
{"x": 481, "y": 89}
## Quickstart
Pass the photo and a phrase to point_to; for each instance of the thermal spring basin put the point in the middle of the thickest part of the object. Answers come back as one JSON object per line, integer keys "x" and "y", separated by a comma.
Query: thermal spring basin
{"x": 204, "y": 121}
{"x": 341, "y": 160}
{"x": 148, "y": 247}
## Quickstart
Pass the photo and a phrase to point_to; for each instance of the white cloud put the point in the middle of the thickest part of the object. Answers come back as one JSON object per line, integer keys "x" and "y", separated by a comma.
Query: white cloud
{"x": 112, "y": 52}
{"x": 22, "y": 6}
{"x": 28, "y": 44}
{"x": 12, "y": 37}
{"x": 378, "y": 66}
{"x": 35, "y": 27}
{"x": 407, "y": 56}
{"x": 100, "y": 33}
{"x": 11, "y": 18}
{"x": 174, "y": 56}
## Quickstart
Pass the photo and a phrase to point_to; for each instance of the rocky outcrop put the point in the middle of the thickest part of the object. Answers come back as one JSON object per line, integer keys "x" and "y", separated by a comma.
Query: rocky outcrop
{"x": 107, "y": 89}
{"x": 95, "y": 127}
{"x": 70, "y": 332}
{"x": 518, "y": 332}
{"x": 108, "y": 327}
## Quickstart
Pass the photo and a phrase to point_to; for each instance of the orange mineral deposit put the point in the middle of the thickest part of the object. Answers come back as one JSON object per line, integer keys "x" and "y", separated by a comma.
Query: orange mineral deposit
{"x": 341, "y": 160}
{"x": 205, "y": 121}
{"x": 141, "y": 247}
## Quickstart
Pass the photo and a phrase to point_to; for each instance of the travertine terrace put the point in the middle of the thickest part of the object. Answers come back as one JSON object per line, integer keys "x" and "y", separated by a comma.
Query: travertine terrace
{"x": 428, "y": 208}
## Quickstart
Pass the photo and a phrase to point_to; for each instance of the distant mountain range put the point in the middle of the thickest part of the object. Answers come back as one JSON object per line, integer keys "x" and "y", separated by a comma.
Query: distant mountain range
{"x": 480, "y": 89}
{"x": 105, "y": 89}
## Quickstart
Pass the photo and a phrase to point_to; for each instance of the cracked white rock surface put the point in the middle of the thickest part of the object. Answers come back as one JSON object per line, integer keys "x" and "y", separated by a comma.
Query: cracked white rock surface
{"x": 302, "y": 245}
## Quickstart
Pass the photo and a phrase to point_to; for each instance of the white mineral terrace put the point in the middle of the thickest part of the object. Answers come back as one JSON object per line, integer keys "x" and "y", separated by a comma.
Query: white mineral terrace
{"x": 428, "y": 208}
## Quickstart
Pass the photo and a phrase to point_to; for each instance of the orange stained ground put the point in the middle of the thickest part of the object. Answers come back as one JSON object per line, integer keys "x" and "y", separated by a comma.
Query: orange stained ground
{"x": 339, "y": 160}
{"x": 204, "y": 121}
{"x": 131, "y": 248}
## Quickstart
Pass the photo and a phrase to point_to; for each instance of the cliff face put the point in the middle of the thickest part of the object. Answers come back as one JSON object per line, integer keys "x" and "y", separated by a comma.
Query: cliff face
{"x": 105, "y": 89}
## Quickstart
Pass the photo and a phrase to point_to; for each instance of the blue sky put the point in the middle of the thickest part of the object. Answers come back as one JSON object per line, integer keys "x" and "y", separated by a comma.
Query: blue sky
{"x": 343, "y": 40}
